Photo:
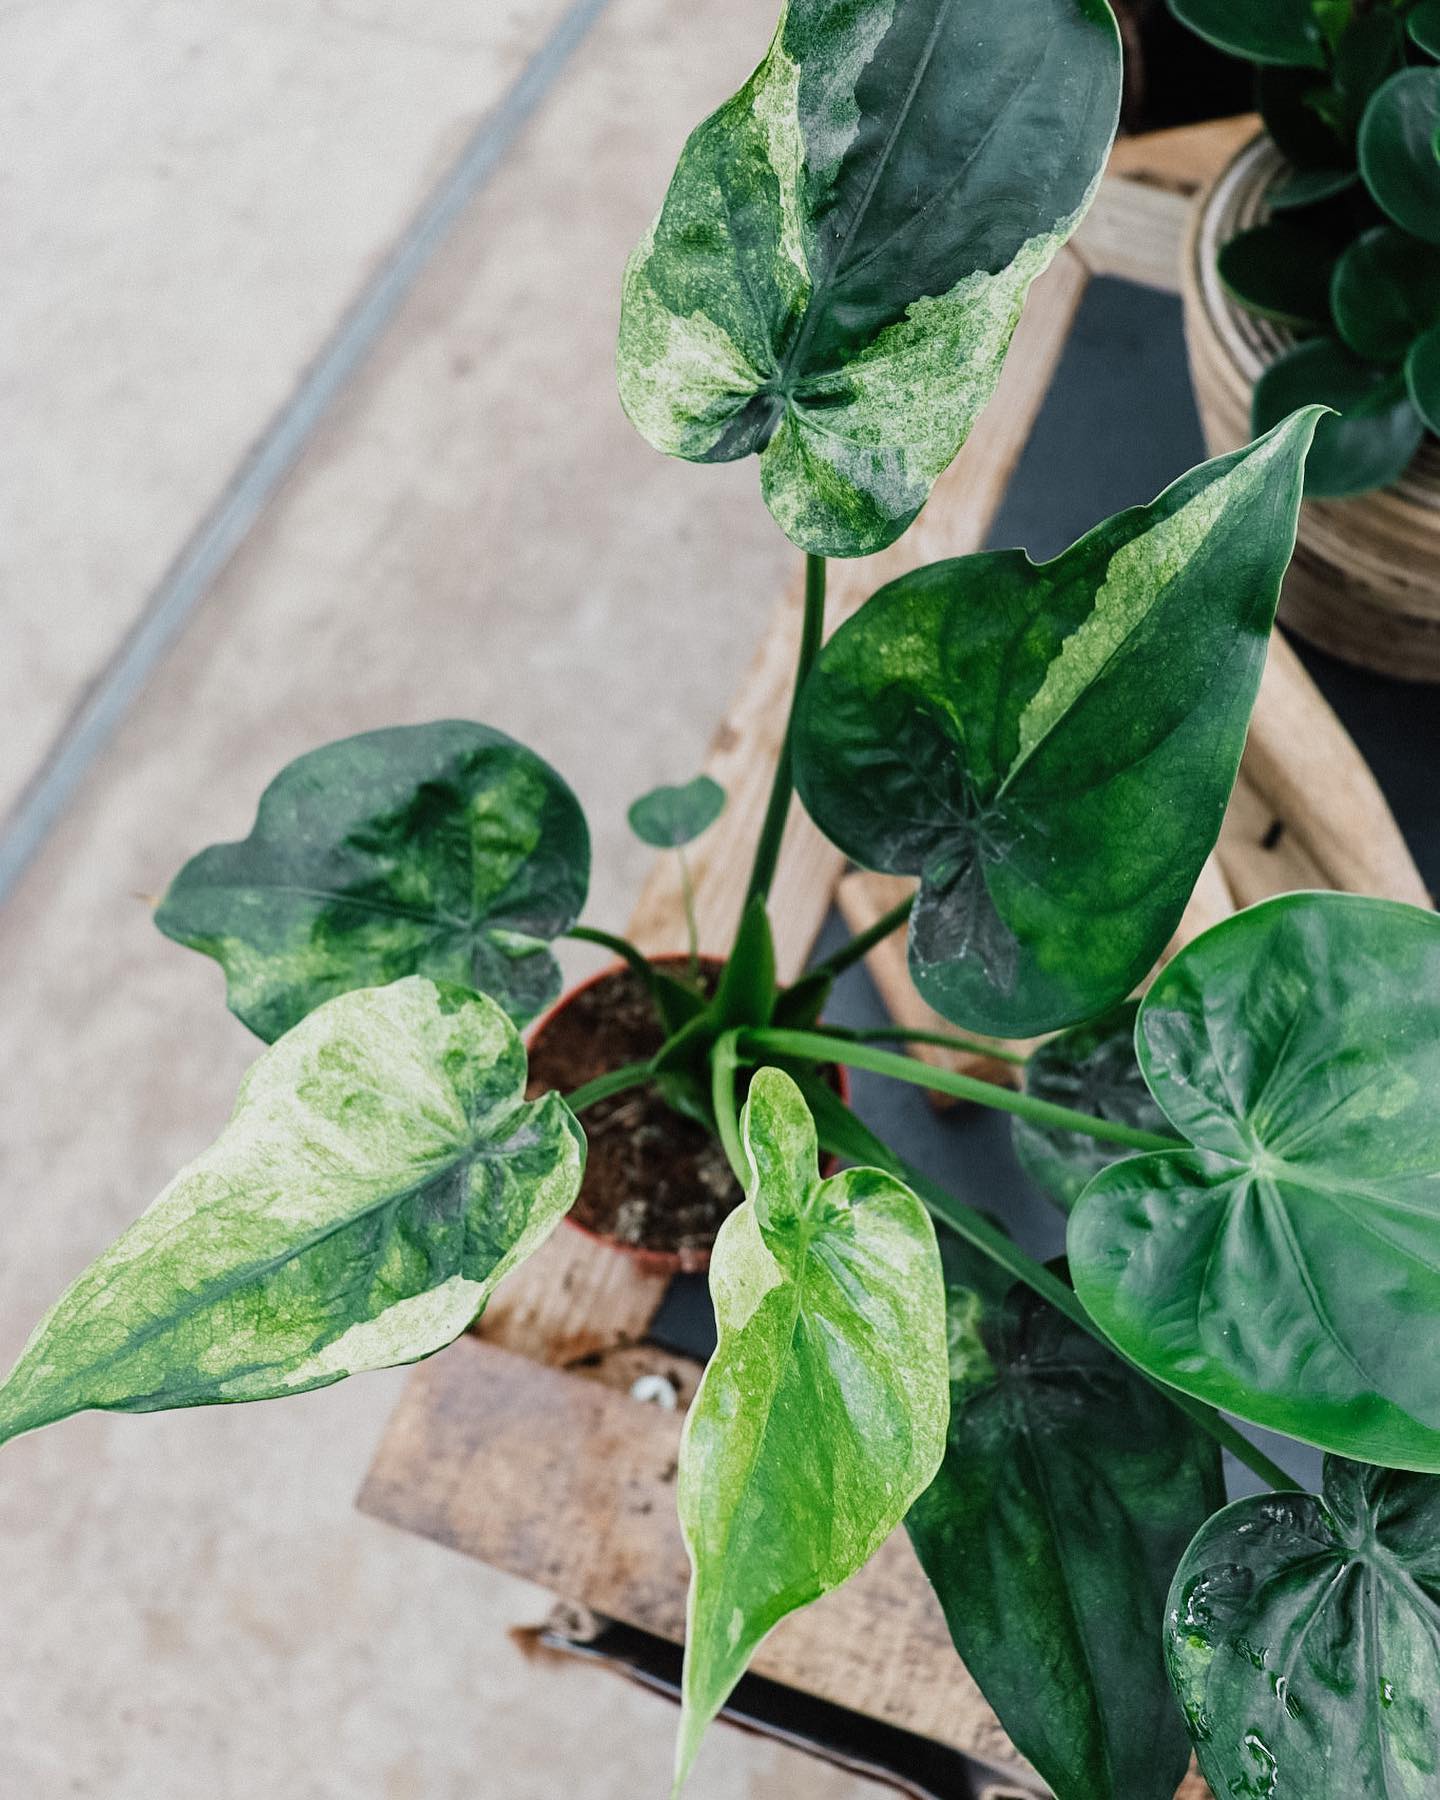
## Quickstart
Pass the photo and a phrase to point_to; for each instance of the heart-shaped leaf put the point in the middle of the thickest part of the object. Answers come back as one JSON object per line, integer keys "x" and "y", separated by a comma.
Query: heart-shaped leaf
{"x": 446, "y": 850}
{"x": 1376, "y": 432}
{"x": 822, "y": 1413}
{"x": 1280, "y": 270}
{"x": 1092, "y": 1069}
{"x": 847, "y": 243}
{"x": 1422, "y": 377}
{"x": 1069, "y": 1489}
{"x": 1051, "y": 747}
{"x": 381, "y": 1172}
{"x": 1285, "y": 1267}
{"x": 1303, "y": 1640}
{"x": 668, "y": 818}
{"x": 1385, "y": 293}
{"x": 1397, "y": 151}
{"x": 1262, "y": 31}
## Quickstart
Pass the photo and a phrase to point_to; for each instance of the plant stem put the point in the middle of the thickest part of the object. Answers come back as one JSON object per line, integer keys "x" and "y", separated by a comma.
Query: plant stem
{"x": 945, "y": 1040}
{"x": 812, "y": 631}
{"x": 692, "y": 933}
{"x": 819, "y": 1047}
{"x": 622, "y": 947}
{"x": 615, "y": 1081}
{"x": 724, "y": 1061}
{"x": 864, "y": 941}
{"x": 978, "y": 1231}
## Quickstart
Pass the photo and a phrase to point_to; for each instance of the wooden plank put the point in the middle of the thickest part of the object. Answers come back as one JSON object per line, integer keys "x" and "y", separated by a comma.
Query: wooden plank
{"x": 572, "y": 1485}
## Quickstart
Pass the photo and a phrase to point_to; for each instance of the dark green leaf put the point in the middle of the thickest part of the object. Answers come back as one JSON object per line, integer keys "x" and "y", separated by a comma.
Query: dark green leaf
{"x": 1370, "y": 48}
{"x": 1377, "y": 433}
{"x": 381, "y": 1172}
{"x": 822, "y": 1413}
{"x": 1092, "y": 1069}
{"x": 1286, "y": 1267}
{"x": 1287, "y": 105}
{"x": 847, "y": 243}
{"x": 1279, "y": 270}
{"x": 1422, "y": 377}
{"x": 1386, "y": 291}
{"x": 1397, "y": 151}
{"x": 1070, "y": 1488}
{"x": 1051, "y": 747}
{"x": 1262, "y": 31}
{"x": 446, "y": 850}
{"x": 1303, "y": 1640}
{"x": 1424, "y": 23}
{"x": 1309, "y": 187}
{"x": 669, "y": 817}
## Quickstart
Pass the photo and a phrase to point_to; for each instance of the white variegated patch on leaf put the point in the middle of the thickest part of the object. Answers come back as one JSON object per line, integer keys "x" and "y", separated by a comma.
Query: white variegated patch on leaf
{"x": 381, "y": 1172}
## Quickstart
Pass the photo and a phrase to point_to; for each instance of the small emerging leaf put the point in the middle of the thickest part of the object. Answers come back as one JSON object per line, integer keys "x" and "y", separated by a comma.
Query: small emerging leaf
{"x": 1070, "y": 1486}
{"x": 846, "y": 245}
{"x": 667, "y": 818}
{"x": 1051, "y": 747}
{"x": 446, "y": 850}
{"x": 381, "y": 1172}
{"x": 1303, "y": 1640}
{"x": 1286, "y": 1266}
{"x": 1092, "y": 1069}
{"x": 821, "y": 1415}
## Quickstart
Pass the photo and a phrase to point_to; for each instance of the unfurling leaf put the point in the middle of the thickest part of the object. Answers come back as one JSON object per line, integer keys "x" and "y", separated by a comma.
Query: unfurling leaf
{"x": 667, "y": 818}
{"x": 446, "y": 850}
{"x": 1286, "y": 1267}
{"x": 381, "y": 1172}
{"x": 1091, "y": 1069}
{"x": 1303, "y": 1640}
{"x": 1051, "y": 747}
{"x": 822, "y": 1413}
{"x": 1069, "y": 1489}
{"x": 847, "y": 243}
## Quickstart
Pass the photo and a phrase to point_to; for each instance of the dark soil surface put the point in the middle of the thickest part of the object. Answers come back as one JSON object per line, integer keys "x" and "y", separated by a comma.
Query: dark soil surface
{"x": 652, "y": 1179}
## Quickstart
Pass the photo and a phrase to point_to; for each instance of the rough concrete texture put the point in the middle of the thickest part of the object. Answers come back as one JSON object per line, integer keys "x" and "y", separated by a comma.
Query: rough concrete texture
{"x": 188, "y": 1603}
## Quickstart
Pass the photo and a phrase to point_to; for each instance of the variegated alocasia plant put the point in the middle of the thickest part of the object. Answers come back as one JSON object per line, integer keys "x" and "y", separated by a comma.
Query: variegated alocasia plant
{"x": 1248, "y": 1155}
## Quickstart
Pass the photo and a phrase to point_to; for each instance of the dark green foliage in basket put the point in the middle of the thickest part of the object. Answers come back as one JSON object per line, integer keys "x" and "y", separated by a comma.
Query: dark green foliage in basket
{"x": 1349, "y": 258}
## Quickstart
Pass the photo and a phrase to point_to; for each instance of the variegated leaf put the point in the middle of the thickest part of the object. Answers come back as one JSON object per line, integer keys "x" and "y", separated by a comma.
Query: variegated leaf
{"x": 847, "y": 243}
{"x": 381, "y": 1172}
{"x": 822, "y": 1413}
{"x": 1051, "y": 748}
{"x": 446, "y": 850}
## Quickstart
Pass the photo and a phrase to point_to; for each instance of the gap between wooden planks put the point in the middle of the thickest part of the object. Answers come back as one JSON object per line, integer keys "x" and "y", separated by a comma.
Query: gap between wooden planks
{"x": 522, "y": 1446}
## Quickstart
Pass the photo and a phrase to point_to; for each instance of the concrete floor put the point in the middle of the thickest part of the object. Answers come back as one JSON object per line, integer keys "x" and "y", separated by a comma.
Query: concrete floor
{"x": 188, "y": 1604}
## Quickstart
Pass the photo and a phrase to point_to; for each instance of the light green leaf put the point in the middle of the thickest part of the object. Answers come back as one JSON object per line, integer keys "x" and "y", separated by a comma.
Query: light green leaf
{"x": 822, "y": 1414}
{"x": 381, "y": 1172}
{"x": 1091, "y": 1069}
{"x": 1262, "y": 31}
{"x": 1303, "y": 1640}
{"x": 1397, "y": 151}
{"x": 667, "y": 818}
{"x": 446, "y": 850}
{"x": 1069, "y": 1489}
{"x": 1051, "y": 747}
{"x": 847, "y": 243}
{"x": 1286, "y": 1267}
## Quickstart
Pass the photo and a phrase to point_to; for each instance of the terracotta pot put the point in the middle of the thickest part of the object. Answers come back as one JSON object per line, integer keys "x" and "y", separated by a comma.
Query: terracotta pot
{"x": 692, "y": 1259}
{"x": 1365, "y": 582}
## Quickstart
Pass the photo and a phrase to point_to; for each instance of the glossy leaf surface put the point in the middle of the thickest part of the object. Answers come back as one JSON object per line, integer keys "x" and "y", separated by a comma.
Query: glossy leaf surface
{"x": 1092, "y": 1069}
{"x": 1303, "y": 1640}
{"x": 1397, "y": 151}
{"x": 667, "y": 818}
{"x": 1280, "y": 270}
{"x": 1050, "y": 747}
{"x": 381, "y": 1172}
{"x": 1385, "y": 293}
{"x": 1376, "y": 432}
{"x": 1069, "y": 1490}
{"x": 1262, "y": 31}
{"x": 846, "y": 245}
{"x": 1286, "y": 1267}
{"x": 1424, "y": 25}
{"x": 822, "y": 1413}
{"x": 446, "y": 850}
{"x": 1422, "y": 377}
